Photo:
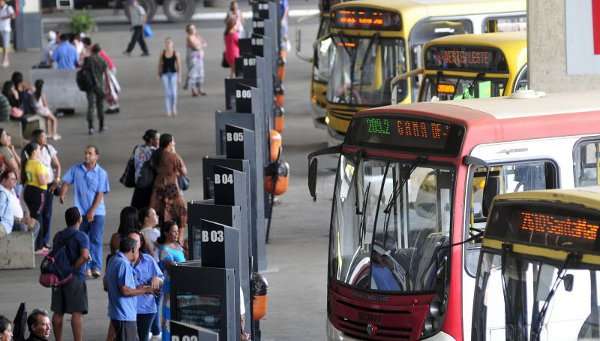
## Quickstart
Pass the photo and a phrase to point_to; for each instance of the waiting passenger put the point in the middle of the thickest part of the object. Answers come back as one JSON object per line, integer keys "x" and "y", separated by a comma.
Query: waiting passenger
{"x": 39, "y": 326}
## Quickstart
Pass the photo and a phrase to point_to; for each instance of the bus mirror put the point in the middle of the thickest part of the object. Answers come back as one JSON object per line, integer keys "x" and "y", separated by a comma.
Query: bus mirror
{"x": 491, "y": 189}
{"x": 568, "y": 282}
{"x": 312, "y": 178}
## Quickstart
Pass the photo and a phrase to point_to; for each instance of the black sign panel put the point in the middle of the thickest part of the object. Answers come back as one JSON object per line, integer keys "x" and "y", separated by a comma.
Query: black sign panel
{"x": 260, "y": 10}
{"x": 243, "y": 98}
{"x": 366, "y": 18}
{"x": 406, "y": 134}
{"x": 258, "y": 45}
{"x": 186, "y": 332}
{"x": 212, "y": 244}
{"x": 234, "y": 142}
{"x": 258, "y": 26}
{"x": 466, "y": 58}
{"x": 224, "y": 186}
{"x": 548, "y": 224}
{"x": 247, "y": 65}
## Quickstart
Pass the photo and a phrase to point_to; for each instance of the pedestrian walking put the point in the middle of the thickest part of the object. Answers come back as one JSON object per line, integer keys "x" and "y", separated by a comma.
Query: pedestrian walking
{"x": 39, "y": 326}
{"x": 7, "y": 13}
{"x": 49, "y": 158}
{"x": 147, "y": 273}
{"x": 35, "y": 179}
{"x": 142, "y": 153}
{"x": 195, "y": 45}
{"x": 122, "y": 290}
{"x": 138, "y": 20}
{"x": 232, "y": 47}
{"x": 71, "y": 298}
{"x": 169, "y": 66}
{"x": 90, "y": 185}
{"x": 112, "y": 88}
{"x": 6, "y": 329}
{"x": 95, "y": 95}
{"x": 167, "y": 197}
{"x": 65, "y": 56}
{"x": 170, "y": 252}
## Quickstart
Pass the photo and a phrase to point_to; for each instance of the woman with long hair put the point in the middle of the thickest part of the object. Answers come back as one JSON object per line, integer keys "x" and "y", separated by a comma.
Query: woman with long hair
{"x": 12, "y": 160}
{"x": 149, "y": 222}
{"x": 128, "y": 221}
{"x": 167, "y": 197}
{"x": 232, "y": 46}
{"x": 35, "y": 178}
{"x": 195, "y": 60}
{"x": 44, "y": 110}
{"x": 169, "y": 66}
{"x": 170, "y": 252}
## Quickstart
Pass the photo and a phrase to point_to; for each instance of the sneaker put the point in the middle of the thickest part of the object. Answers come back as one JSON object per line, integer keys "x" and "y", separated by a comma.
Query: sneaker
{"x": 56, "y": 137}
{"x": 91, "y": 131}
{"x": 96, "y": 273}
{"x": 103, "y": 130}
{"x": 145, "y": 54}
{"x": 156, "y": 337}
{"x": 5, "y": 63}
{"x": 128, "y": 54}
{"x": 88, "y": 274}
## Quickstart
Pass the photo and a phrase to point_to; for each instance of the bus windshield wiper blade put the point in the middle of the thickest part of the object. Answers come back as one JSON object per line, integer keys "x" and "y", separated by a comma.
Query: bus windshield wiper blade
{"x": 401, "y": 183}
{"x": 363, "y": 225}
{"x": 364, "y": 59}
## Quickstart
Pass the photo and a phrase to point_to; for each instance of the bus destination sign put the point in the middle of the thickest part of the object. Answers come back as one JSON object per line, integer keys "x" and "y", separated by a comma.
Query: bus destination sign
{"x": 366, "y": 18}
{"x": 545, "y": 224}
{"x": 406, "y": 133}
{"x": 465, "y": 58}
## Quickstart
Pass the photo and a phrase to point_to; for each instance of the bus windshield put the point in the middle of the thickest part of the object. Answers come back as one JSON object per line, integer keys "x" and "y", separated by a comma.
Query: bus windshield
{"x": 526, "y": 299}
{"x": 390, "y": 225}
{"x": 363, "y": 68}
{"x": 444, "y": 88}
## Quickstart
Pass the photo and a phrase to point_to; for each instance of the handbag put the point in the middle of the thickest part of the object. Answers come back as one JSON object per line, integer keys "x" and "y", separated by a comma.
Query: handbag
{"x": 16, "y": 112}
{"x": 148, "y": 31}
{"x": 224, "y": 62}
{"x": 128, "y": 177}
{"x": 183, "y": 182}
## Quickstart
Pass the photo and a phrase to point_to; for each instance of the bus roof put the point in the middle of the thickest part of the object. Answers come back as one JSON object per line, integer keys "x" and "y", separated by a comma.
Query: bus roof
{"x": 503, "y": 119}
{"x": 501, "y": 40}
{"x": 588, "y": 197}
{"x": 414, "y": 10}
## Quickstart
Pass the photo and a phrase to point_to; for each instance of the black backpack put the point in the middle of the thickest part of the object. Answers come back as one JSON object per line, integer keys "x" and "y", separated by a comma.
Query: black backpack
{"x": 56, "y": 268}
{"x": 85, "y": 79}
{"x": 147, "y": 174}
{"x": 128, "y": 177}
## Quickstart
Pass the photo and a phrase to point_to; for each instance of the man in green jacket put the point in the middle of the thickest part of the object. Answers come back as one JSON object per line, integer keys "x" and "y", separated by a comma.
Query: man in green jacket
{"x": 95, "y": 95}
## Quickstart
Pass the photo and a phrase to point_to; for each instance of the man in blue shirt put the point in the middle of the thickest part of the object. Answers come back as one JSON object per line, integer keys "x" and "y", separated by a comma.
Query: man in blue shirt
{"x": 121, "y": 286}
{"x": 90, "y": 183}
{"x": 71, "y": 298}
{"x": 147, "y": 273}
{"x": 65, "y": 55}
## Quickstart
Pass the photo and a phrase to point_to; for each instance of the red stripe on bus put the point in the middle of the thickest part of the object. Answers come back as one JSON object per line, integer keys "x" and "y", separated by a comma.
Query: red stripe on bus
{"x": 596, "y": 25}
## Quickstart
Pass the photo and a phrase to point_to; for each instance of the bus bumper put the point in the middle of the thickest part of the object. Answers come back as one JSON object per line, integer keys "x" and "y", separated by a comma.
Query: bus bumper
{"x": 441, "y": 336}
{"x": 335, "y": 335}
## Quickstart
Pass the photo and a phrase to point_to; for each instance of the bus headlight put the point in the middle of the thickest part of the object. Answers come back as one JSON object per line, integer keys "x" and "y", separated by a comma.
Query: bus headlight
{"x": 434, "y": 320}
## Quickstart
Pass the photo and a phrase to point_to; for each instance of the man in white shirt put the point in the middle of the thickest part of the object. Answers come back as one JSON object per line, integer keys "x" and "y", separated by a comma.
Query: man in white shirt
{"x": 12, "y": 216}
{"x": 7, "y": 13}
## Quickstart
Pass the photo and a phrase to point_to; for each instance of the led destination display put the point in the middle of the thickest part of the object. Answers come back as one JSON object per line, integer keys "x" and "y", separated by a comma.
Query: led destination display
{"x": 366, "y": 18}
{"x": 465, "y": 58}
{"x": 547, "y": 225}
{"x": 407, "y": 134}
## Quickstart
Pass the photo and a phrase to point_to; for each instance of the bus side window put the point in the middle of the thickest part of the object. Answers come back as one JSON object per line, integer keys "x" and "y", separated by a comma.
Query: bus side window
{"x": 588, "y": 164}
{"x": 512, "y": 177}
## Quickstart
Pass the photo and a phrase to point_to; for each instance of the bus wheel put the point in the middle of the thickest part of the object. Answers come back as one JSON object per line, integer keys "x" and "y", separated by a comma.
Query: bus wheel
{"x": 179, "y": 10}
{"x": 149, "y": 7}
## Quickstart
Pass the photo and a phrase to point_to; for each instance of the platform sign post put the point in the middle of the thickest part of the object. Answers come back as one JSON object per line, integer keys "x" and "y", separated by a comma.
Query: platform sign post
{"x": 187, "y": 332}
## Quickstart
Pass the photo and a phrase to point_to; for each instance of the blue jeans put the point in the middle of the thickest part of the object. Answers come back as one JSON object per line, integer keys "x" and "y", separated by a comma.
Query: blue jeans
{"x": 144, "y": 321}
{"x": 169, "y": 81}
{"x": 95, "y": 231}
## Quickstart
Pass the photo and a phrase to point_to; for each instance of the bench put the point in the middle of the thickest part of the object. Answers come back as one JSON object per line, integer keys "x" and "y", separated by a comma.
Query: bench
{"x": 61, "y": 90}
{"x": 16, "y": 251}
{"x": 15, "y": 129}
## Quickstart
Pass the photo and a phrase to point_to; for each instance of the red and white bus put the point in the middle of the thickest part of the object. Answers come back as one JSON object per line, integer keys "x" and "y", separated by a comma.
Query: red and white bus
{"x": 412, "y": 190}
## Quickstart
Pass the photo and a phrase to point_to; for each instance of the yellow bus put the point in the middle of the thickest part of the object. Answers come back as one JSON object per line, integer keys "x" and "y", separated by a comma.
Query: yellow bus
{"x": 375, "y": 40}
{"x": 474, "y": 66}
{"x": 539, "y": 268}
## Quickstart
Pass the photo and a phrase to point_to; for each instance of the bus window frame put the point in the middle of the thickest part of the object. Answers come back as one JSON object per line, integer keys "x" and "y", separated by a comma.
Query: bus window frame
{"x": 469, "y": 247}
{"x": 422, "y": 87}
{"x": 518, "y": 76}
{"x": 577, "y": 157}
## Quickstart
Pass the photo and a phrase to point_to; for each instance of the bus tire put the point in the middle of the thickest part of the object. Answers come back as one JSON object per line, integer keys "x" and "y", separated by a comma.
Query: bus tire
{"x": 149, "y": 7}
{"x": 179, "y": 10}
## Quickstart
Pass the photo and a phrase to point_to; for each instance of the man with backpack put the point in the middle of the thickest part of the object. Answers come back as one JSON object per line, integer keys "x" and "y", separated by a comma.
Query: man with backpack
{"x": 94, "y": 67}
{"x": 71, "y": 297}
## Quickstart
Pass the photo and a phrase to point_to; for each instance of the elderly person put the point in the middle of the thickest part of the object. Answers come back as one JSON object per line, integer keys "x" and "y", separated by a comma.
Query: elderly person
{"x": 12, "y": 214}
{"x": 46, "y": 61}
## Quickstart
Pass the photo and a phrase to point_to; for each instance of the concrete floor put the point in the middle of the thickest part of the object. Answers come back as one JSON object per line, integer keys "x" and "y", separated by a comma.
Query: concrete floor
{"x": 297, "y": 254}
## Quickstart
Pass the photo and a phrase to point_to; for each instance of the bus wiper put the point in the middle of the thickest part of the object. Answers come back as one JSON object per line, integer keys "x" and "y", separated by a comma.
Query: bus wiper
{"x": 471, "y": 87}
{"x": 364, "y": 60}
{"x": 401, "y": 183}
{"x": 362, "y": 227}
{"x": 537, "y": 321}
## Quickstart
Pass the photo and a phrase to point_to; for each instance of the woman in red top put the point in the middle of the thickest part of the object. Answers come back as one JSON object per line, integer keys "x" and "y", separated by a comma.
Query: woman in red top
{"x": 232, "y": 47}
